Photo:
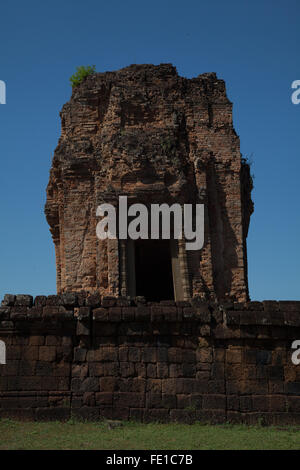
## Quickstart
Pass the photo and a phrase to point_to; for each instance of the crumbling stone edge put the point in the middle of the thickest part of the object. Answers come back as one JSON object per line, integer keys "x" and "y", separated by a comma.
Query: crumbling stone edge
{"x": 80, "y": 355}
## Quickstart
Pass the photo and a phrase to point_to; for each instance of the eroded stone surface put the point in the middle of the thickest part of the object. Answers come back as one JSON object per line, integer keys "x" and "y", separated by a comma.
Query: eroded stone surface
{"x": 189, "y": 362}
{"x": 154, "y": 136}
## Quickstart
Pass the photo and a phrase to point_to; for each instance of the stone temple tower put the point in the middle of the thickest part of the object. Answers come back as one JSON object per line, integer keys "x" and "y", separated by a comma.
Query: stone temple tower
{"x": 156, "y": 137}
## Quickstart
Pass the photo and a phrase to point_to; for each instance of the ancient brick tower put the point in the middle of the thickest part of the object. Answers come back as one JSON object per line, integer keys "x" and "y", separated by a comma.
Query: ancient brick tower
{"x": 154, "y": 136}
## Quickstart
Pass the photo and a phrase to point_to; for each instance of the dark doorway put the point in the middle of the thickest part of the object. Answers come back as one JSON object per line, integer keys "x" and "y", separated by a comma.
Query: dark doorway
{"x": 153, "y": 270}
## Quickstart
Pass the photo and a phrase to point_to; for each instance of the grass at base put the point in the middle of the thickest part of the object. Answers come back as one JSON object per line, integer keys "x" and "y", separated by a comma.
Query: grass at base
{"x": 82, "y": 435}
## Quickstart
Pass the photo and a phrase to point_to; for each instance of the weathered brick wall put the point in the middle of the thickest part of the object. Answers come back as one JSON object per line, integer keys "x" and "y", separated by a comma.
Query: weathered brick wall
{"x": 148, "y": 133}
{"x": 93, "y": 358}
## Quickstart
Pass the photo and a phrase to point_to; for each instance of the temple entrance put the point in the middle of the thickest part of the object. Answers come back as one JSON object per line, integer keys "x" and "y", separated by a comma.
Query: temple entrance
{"x": 153, "y": 270}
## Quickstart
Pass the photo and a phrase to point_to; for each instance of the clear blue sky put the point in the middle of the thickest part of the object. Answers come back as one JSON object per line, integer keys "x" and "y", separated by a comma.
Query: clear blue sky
{"x": 252, "y": 45}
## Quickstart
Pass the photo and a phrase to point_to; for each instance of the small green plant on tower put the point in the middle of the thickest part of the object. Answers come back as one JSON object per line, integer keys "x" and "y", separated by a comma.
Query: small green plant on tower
{"x": 81, "y": 73}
